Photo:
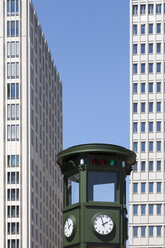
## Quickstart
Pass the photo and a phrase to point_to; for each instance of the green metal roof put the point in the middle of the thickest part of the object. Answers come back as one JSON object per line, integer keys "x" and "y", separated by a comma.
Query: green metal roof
{"x": 98, "y": 148}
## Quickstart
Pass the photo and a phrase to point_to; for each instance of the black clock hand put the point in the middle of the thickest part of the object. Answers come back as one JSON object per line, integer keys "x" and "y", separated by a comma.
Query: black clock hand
{"x": 105, "y": 223}
{"x": 102, "y": 221}
{"x": 68, "y": 225}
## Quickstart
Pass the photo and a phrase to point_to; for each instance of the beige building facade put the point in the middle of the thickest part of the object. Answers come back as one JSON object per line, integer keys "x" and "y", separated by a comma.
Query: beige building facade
{"x": 30, "y": 132}
{"x": 147, "y": 123}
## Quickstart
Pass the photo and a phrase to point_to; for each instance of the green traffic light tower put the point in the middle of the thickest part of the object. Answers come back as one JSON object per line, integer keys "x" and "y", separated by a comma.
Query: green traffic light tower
{"x": 94, "y": 213}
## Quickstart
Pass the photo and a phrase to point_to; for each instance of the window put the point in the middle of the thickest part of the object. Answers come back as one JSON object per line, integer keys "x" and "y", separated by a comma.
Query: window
{"x": 135, "y": 231}
{"x": 150, "y": 106}
{"x": 99, "y": 184}
{"x": 151, "y": 231}
{"x": 142, "y": 28}
{"x": 13, "y": 160}
{"x": 134, "y": 48}
{"x": 135, "y": 209}
{"x": 158, "y": 208}
{"x": 158, "y": 28}
{"x": 135, "y": 107}
{"x": 17, "y": 6}
{"x": 14, "y": 212}
{"x": 135, "y": 144}
{"x": 151, "y": 185}
{"x": 150, "y": 146}
{"x": 143, "y": 87}
{"x": 150, "y": 28}
{"x": 151, "y": 126}
{"x": 158, "y": 8}
{"x": 13, "y": 132}
{"x": 142, "y": 48}
{"x": 13, "y": 228}
{"x": 158, "y": 106}
{"x": 135, "y": 88}
{"x": 13, "y": 70}
{"x": 135, "y": 188}
{"x": 158, "y": 126}
{"x": 143, "y": 146}
{"x": 159, "y": 187}
{"x": 158, "y": 87}
{"x": 135, "y": 10}
{"x": 13, "y": 111}
{"x": 151, "y": 208}
{"x": 143, "y": 126}
{"x": 143, "y": 166}
{"x": 12, "y": 49}
{"x": 134, "y": 29}
{"x": 150, "y": 165}
{"x": 158, "y": 67}
{"x": 12, "y": 7}
{"x": 17, "y": 28}
{"x": 150, "y": 87}
{"x": 143, "y": 231}
{"x": 143, "y": 107}
{"x": 158, "y": 47}
{"x": 13, "y": 177}
{"x": 158, "y": 165}
{"x": 134, "y": 68}
{"x": 143, "y": 187}
{"x": 150, "y": 9}
{"x": 135, "y": 127}
{"x": 142, "y": 9}
{"x": 8, "y": 28}
{"x": 143, "y": 68}
{"x": 158, "y": 229}
{"x": 143, "y": 209}
{"x": 13, "y": 91}
{"x": 150, "y": 67}
{"x": 135, "y": 167}
{"x": 13, "y": 194}
{"x": 12, "y": 28}
{"x": 8, "y": 7}
{"x": 150, "y": 48}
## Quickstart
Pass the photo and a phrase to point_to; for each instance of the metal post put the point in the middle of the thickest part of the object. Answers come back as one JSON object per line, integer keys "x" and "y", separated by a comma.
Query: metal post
{"x": 82, "y": 245}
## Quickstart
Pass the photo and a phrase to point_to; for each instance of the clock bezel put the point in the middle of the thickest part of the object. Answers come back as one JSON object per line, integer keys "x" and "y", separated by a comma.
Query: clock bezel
{"x": 94, "y": 230}
{"x": 74, "y": 227}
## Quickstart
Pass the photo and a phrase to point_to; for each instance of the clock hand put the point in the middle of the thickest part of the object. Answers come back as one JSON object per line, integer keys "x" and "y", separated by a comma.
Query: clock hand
{"x": 102, "y": 221}
{"x": 105, "y": 222}
{"x": 68, "y": 225}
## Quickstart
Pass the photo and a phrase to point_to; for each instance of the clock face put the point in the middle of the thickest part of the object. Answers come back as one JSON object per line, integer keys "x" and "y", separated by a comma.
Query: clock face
{"x": 103, "y": 224}
{"x": 68, "y": 227}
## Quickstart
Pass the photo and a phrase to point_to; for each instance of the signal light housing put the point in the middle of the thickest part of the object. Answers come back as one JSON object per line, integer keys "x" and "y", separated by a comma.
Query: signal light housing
{"x": 111, "y": 162}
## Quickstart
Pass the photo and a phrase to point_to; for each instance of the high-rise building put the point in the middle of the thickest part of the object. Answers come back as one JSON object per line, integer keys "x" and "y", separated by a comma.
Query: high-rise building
{"x": 30, "y": 132}
{"x": 147, "y": 117}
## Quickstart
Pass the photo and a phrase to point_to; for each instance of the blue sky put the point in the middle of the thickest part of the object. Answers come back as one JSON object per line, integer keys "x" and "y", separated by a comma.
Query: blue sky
{"x": 89, "y": 40}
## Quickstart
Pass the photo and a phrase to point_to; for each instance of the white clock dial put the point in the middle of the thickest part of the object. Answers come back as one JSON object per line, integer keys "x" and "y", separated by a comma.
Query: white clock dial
{"x": 68, "y": 227}
{"x": 103, "y": 224}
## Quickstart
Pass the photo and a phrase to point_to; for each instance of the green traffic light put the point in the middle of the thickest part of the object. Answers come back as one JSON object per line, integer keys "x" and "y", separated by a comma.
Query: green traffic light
{"x": 112, "y": 162}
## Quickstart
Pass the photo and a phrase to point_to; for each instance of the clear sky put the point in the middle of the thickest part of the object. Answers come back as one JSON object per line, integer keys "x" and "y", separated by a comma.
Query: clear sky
{"x": 89, "y": 40}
